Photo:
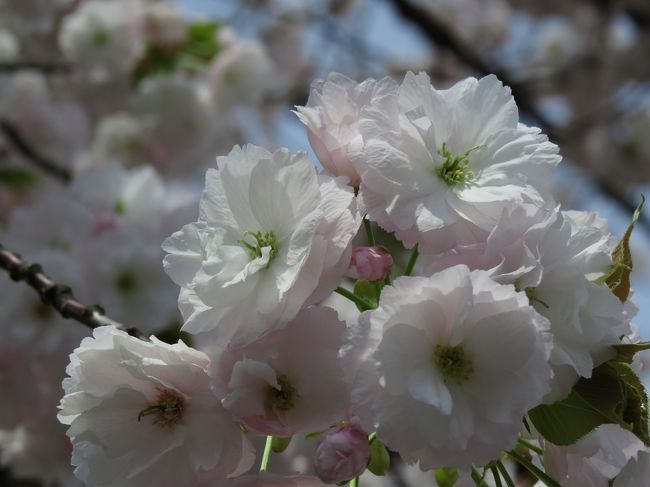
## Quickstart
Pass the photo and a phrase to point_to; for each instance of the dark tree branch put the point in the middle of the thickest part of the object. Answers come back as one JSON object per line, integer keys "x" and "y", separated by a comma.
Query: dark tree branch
{"x": 43, "y": 162}
{"x": 58, "y": 296}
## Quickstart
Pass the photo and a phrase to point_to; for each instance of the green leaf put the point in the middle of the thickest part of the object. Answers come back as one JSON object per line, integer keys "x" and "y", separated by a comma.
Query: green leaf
{"x": 199, "y": 49}
{"x": 635, "y": 411}
{"x": 368, "y": 291}
{"x": 446, "y": 477}
{"x": 565, "y": 422}
{"x": 280, "y": 444}
{"x": 618, "y": 278}
{"x": 613, "y": 395}
{"x": 379, "y": 462}
{"x": 626, "y": 351}
{"x": 17, "y": 178}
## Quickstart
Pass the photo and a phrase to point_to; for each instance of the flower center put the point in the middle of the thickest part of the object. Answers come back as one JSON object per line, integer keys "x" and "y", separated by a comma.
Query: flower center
{"x": 256, "y": 241}
{"x": 453, "y": 363}
{"x": 167, "y": 411}
{"x": 283, "y": 398}
{"x": 454, "y": 170}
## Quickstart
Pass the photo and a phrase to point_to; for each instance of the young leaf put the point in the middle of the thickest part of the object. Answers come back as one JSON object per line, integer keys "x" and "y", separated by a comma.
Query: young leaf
{"x": 618, "y": 278}
{"x": 613, "y": 395}
{"x": 379, "y": 462}
{"x": 199, "y": 49}
{"x": 565, "y": 422}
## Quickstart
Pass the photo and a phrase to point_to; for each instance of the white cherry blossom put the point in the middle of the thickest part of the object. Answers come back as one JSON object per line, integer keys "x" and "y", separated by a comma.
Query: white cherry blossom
{"x": 272, "y": 237}
{"x": 457, "y": 362}
{"x": 440, "y": 174}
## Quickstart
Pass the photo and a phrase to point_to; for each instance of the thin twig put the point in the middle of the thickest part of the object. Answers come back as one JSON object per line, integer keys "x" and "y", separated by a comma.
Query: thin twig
{"x": 58, "y": 296}
{"x": 32, "y": 154}
{"x": 45, "y": 67}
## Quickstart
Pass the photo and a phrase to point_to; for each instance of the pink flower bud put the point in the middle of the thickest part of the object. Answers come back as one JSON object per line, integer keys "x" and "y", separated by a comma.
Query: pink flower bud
{"x": 342, "y": 454}
{"x": 371, "y": 263}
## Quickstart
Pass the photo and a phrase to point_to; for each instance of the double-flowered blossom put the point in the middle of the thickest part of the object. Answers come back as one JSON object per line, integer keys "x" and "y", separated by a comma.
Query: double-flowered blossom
{"x": 271, "y": 230}
{"x": 440, "y": 174}
{"x": 456, "y": 363}
{"x": 292, "y": 380}
{"x": 557, "y": 259}
{"x": 332, "y": 115}
{"x": 142, "y": 413}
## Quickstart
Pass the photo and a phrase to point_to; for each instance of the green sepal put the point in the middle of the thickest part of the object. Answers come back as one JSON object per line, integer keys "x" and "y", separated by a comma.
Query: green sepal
{"x": 379, "y": 461}
{"x": 314, "y": 435}
{"x": 279, "y": 444}
{"x": 446, "y": 477}
{"x": 625, "y": 352}
{"x": 618, "y": 277}
{"x": 368, "y": 291}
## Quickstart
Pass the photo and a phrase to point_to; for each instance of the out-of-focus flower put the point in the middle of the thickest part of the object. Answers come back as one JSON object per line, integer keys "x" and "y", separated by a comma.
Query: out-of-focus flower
{"x": 342, "y": 453}
{"x": 440, "y": 174}
{"x": 271, "y": 229}
{"x": 164, "y": 24}
{"x": 433, "y": 388}
{"x": 142, "y": 413}
{"x": 271, "y": 480}
{"x": 370, "y": 263}
{"x": 9, "y": 46}
{"x": 240, "y": 74}
{"x": 332, "y": 116}
{"x": 595, "y": 459}
{"x": 104, "y": 39}
{"x": 291, "y": 380}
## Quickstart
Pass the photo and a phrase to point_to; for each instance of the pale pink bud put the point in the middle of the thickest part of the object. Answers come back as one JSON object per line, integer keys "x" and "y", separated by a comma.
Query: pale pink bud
{"x": 342, "y": 454}
{"x": 370, "y": 263}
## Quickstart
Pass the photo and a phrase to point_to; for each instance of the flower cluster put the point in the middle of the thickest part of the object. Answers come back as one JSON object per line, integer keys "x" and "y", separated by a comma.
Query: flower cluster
{"x": 493, "y": 317}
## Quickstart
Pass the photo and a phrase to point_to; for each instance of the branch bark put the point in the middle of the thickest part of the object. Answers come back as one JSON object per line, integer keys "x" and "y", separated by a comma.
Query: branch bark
{"x": 22, "y": 146}
{"x": 58, "y": 296}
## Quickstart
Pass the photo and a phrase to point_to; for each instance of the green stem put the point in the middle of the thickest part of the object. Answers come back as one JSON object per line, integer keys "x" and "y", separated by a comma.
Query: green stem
{"x": 359, "y": 301}
{"x": 354, "y": 482}
{"x": 530, "y": 446}
{"x": 528, "y": 465}
{"x": 495, "y": 474}
{"x": 478, "y": 478}
{"x": 371, "y": 236}
{"x": 411, "y": 262}
{"x": 267, "y": 453}
{"x": 504, "y": 473}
